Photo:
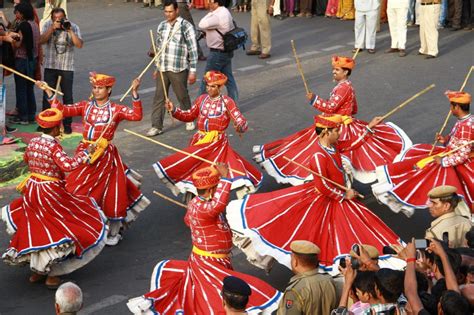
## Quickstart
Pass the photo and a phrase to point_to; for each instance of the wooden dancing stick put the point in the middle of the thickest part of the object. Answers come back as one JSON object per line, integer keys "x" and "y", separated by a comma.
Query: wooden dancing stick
{"x": 300, "y": 69}
{"x": 355, "y": 54}
{"x": 58, "y": 86}
{"x": 440, "y": 132}
{"x": 179, "y": 151}
{"x": 321, "y": 176}
{"x": 152, "y": 61}
{"x": 457, "y": 148}
{"x": 27, "y": 78}
{"x": 408, "y": 101}
{"x": 170, "y": 200}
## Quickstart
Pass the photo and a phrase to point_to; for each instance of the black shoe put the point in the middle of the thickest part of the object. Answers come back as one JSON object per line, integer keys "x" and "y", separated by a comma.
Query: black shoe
{"x": 279, "y": 17}
{"x": 67, "y": 130}
{"x": 10, "y": 129}
{"x": 430, "y": 57}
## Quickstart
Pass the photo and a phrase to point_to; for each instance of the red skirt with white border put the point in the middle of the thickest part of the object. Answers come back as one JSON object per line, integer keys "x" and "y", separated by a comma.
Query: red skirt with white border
{"x": 114, "y": 186}
{"x": 381, "y": 148}
{"x": 193, "y": 287}
{"x": 271, "y": 221}
{"x": 53, "y": 231}
{"x": 176, "y": 170}
{"x": 404, "y": 188}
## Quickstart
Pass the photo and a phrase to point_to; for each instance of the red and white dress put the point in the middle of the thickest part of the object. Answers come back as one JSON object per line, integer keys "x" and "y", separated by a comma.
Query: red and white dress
{"x": 382, "y": 148}
{"x": 193, "y": 287}
{"x": 213, "y": 115}
{"x": 404, "y": 187}
{"x": 113, "y": 185}
{"x": 54, "y": 231}
{"x": 315, "y": 211}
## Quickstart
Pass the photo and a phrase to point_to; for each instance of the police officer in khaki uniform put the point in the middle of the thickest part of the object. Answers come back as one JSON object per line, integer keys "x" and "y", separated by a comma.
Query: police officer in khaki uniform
{"x": 308, "y": 292}
{"x": 451, "y": 216}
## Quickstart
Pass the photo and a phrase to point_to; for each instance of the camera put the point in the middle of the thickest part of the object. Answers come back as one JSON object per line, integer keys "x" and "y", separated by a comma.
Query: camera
{"x": 354, "y": 263}
{"x": 16, "y": 37}
{"x": 200, "y": 35}
{"x": 65, "y": 24}
{"x": 422, "y": 244}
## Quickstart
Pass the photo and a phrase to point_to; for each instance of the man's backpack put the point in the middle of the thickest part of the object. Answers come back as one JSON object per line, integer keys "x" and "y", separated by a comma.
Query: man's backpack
{"x": 234, "y": 39}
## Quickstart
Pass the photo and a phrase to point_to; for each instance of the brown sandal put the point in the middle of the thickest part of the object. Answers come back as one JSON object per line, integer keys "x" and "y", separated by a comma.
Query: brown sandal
{"x": 52, "y": 282}
{"x": 36, "y": 277}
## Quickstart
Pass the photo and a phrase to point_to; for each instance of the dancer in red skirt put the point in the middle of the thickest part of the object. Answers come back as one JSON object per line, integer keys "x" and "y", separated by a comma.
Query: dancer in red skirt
{"x": 193, "y": 287}
{"x": 317, "y": 211}
{"x": 53, "y": 231}
{"x": 106, "y": 178}
{"x": 213, "y": 112}
{"x": 385, "y": 144}
{"x": 404, "y": 185}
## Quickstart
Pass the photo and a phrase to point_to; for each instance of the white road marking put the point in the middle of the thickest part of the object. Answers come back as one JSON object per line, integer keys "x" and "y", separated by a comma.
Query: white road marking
{"x": 109, "y": 301}
{"x": 277, "y": 61}
{"x": 309, "y": 53}
{"x": 252, "y": 67}
{"x": 332, "y": 48}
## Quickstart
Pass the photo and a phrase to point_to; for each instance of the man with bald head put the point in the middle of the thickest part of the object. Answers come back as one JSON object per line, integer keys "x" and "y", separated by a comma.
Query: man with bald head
{"x": 308, "y": 291}
{"x": 68, "y": 299}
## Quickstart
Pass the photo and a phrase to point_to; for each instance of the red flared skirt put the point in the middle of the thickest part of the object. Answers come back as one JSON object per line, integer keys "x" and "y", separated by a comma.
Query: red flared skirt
{"x": 193, "y": 287}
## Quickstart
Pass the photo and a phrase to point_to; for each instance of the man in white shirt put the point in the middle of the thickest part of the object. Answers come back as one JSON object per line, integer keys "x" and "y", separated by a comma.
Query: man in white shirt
{"x": 218, "y": 20}
{"x": 365, "y": 27}
{"x": 397, "y": 11}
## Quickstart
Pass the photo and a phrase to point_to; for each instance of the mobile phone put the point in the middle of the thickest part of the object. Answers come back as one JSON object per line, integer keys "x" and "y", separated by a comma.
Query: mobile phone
{"x": 356, "y": 249}
{"x": 388, "y": 250}
{"x": 342, "y": 262}
{"x": 421, "y": 244}
{"x": 446, "y": 238}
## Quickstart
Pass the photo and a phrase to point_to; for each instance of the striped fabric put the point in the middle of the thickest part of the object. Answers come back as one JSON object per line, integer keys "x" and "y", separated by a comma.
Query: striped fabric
{"x": 48, "y": 223}
{"x": 193, "y": 287}
{"x": 402, "y": 187}
{"x": 106, "y": 180}
{"x": 176, "y": 170}
{"x": 314, "y": 211}
{"x": 377, "y": 149}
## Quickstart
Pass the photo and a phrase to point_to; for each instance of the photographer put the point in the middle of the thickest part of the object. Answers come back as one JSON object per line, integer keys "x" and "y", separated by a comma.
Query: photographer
{"x": 60, "y": 37}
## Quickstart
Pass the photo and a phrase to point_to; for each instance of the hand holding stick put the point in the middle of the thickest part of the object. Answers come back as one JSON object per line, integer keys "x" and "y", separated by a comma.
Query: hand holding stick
{"x": 300, "y": 69}
{"x": 440, "y": 132}
{"x": 322, "y": 177}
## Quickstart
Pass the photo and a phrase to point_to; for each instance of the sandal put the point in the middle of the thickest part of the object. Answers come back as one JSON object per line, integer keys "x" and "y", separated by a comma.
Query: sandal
{"x": 36, "y": 277}
{"x": 52, "y": 283}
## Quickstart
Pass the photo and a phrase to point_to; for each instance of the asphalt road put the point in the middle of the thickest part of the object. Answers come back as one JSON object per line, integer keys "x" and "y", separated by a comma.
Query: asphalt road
{"x": 272, "y": 97}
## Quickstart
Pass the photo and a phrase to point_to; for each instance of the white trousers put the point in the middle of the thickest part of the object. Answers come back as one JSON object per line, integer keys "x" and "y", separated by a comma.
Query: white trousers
{"x": 429, "y": 16}
{"x": 365, "y": 27}
{"x": 397, "y": 22}
{"x": 276, "y": 8}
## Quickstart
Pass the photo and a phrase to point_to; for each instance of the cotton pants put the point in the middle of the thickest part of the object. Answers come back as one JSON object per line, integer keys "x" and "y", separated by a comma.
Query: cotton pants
{"x": 260, "y": 30}
{"x": 365, "y": 28}
{"x": 179, "y": 83}
{"x": 429, "y": 16}
{"x": 397, "y": 22}
{"x": 457, "y": 13}
{"x": 276, "y": 8}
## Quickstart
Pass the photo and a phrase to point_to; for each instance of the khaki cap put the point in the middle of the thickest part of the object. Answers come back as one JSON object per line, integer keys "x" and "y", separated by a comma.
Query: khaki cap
{"x": 371, "y": 251}
{"x": 304, "y": 247}
{"x": 442, "y": 191}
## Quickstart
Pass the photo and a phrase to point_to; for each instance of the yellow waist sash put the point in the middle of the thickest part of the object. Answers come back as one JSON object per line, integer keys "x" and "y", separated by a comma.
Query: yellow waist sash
{"x": 22, "y": 185}
{"x": 209, "y": 136}
{"x": 101, "y": 145}
{"x": 204, "y": 253}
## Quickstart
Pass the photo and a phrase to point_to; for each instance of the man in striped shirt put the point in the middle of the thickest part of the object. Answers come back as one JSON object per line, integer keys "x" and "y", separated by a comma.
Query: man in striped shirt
{"x": 176, "y": 39}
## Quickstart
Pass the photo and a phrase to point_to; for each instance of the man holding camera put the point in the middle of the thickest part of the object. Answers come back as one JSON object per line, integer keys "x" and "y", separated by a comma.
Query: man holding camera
{"x": 60, "y": 36}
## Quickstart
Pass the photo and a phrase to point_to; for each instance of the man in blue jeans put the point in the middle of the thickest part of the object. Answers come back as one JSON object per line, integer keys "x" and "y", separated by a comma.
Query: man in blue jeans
{"x": 219, "y": 19}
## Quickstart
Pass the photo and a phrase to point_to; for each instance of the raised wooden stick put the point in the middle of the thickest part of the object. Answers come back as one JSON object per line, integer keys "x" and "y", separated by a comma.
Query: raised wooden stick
{"x": 300, "y": 69}
{"x": 440, "y": 132}
{"x": 179, "y": 151}
{"x": 408, "y": 101}
{"x": 151, "y": 62}
{"x": 27, "y": 78}
{"x": 355, "y": 54}
{"x": 170, "y": 200}
{"x": 58, "y": 86}
{"x": 321, "y": 176}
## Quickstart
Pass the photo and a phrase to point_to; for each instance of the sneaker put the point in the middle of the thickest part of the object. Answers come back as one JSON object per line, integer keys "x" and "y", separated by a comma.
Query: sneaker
{"x": 10, "y": 129}
{"x": 113, "y": 240}
{"x": 190, "y": 126}
{"x": 67, "y": 130}
{"x": 154, "y": 132}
